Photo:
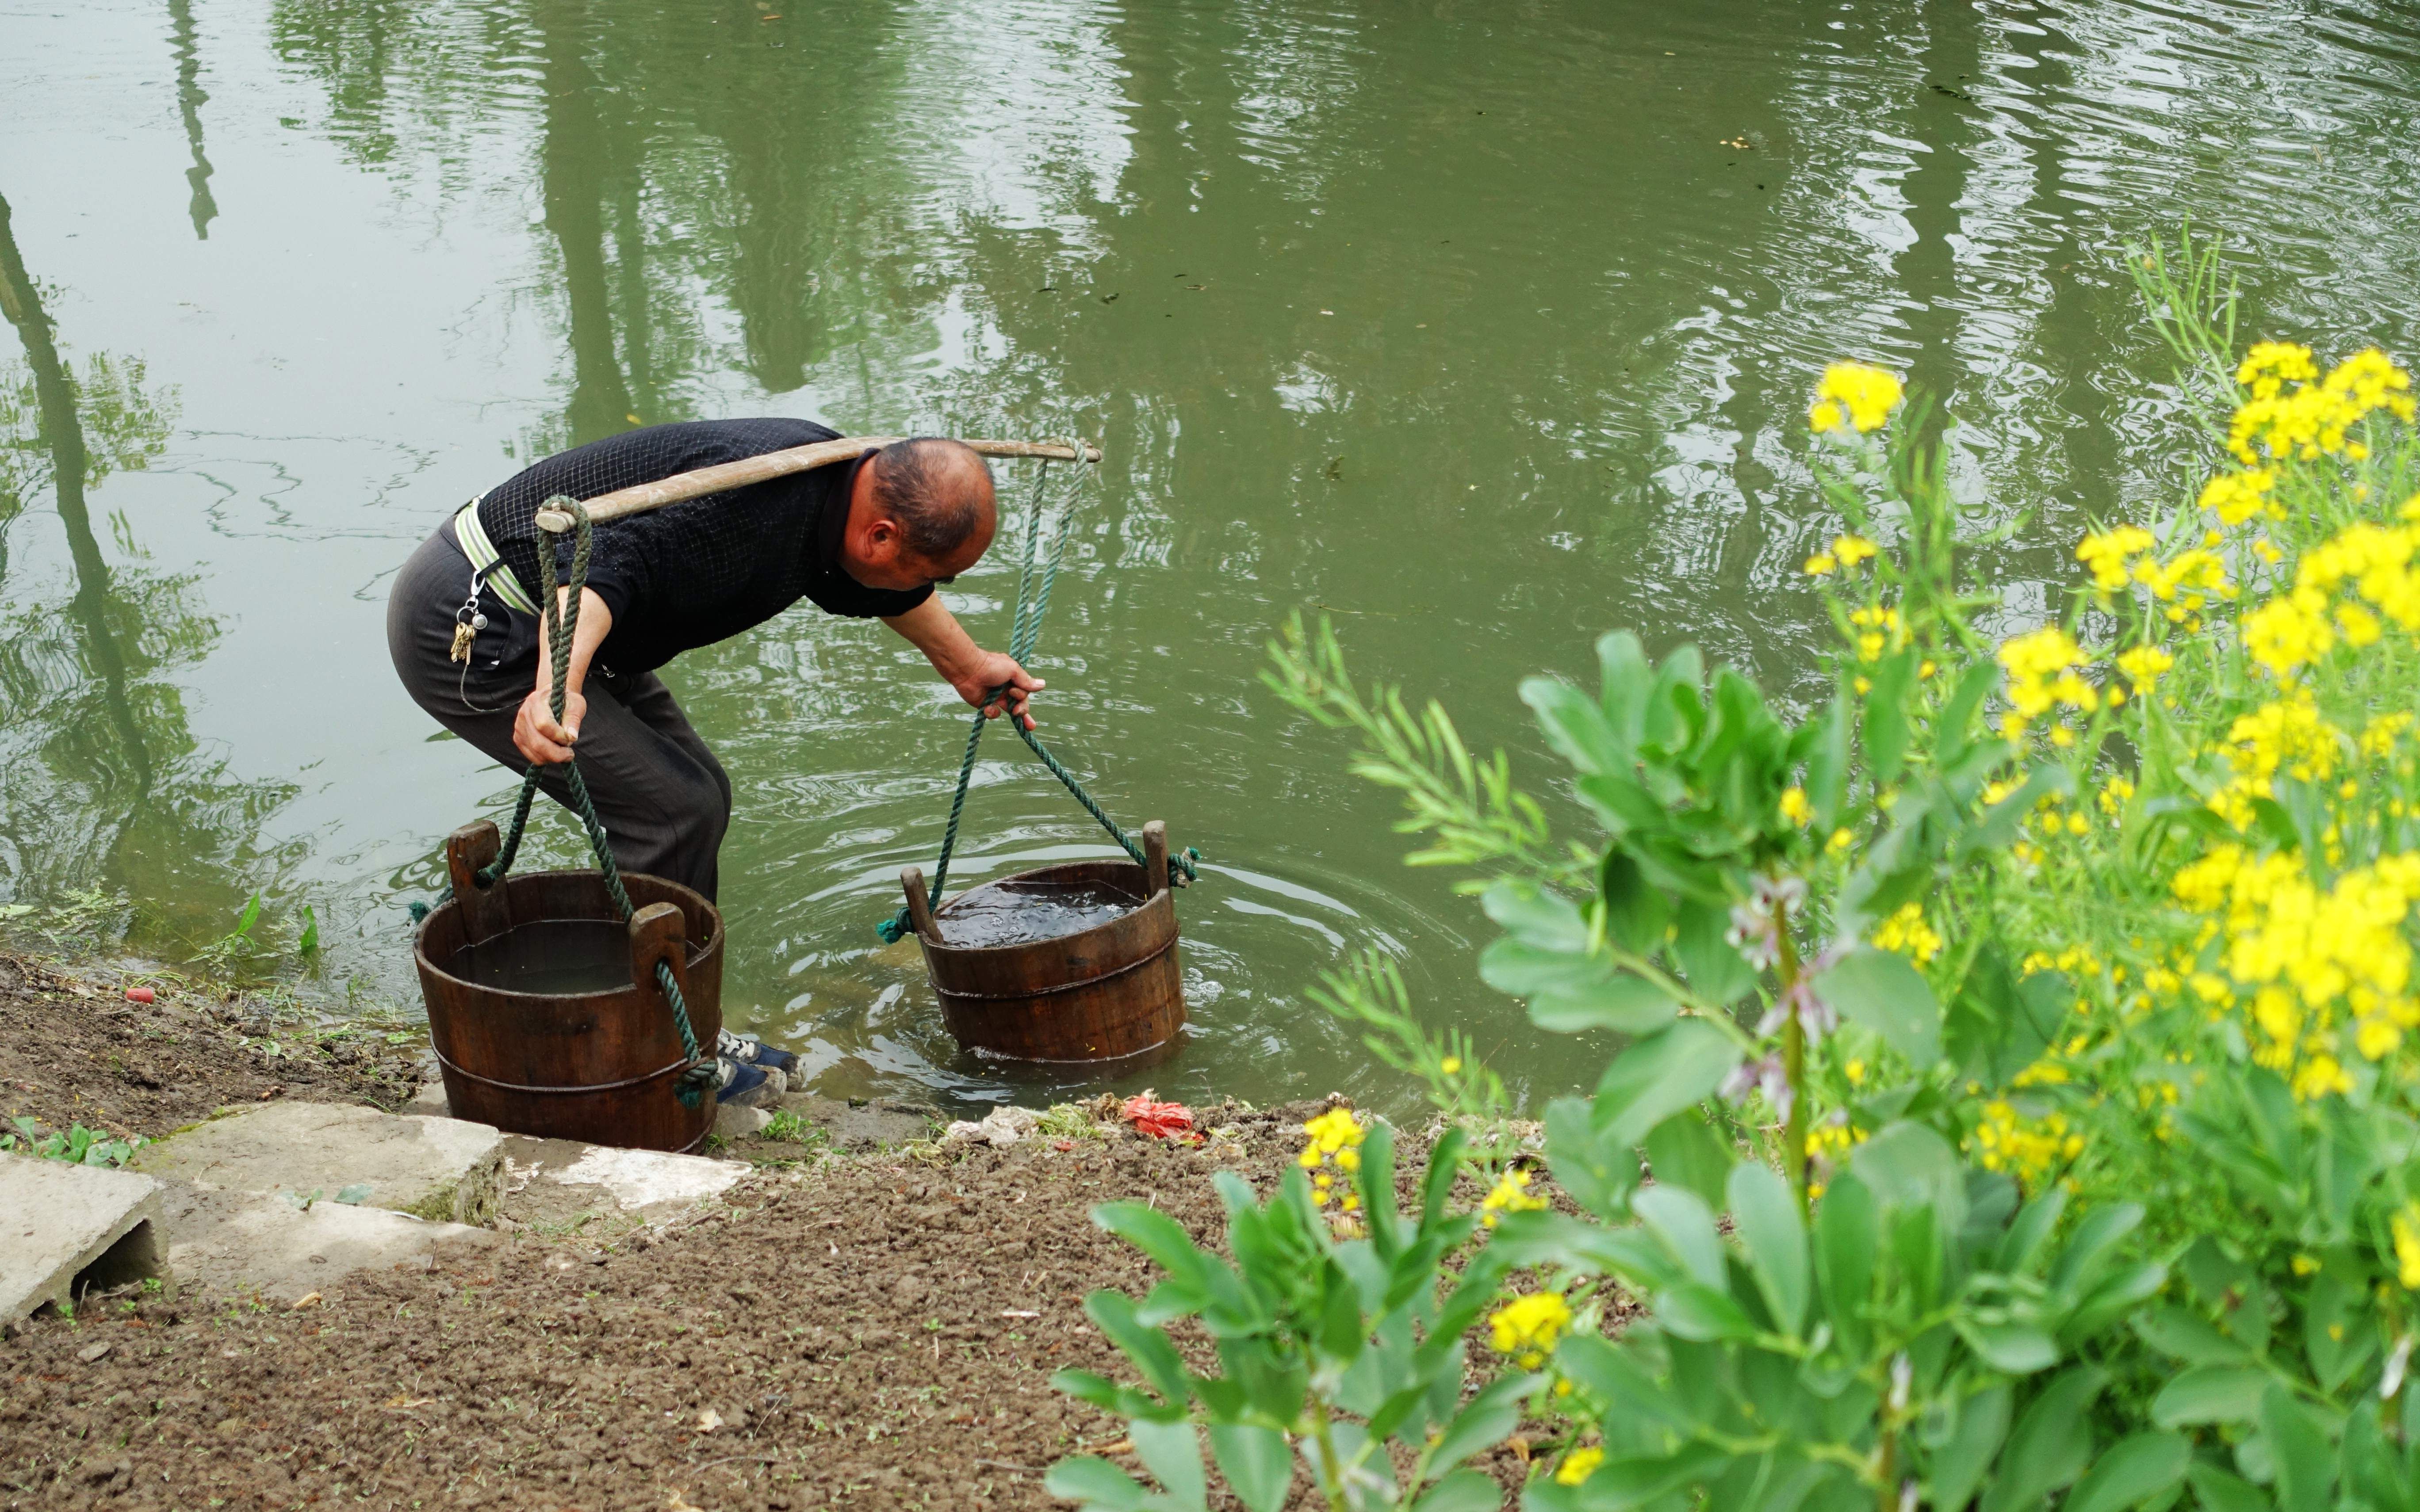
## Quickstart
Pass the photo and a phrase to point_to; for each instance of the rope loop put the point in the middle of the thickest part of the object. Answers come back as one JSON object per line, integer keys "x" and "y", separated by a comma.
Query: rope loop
{"x": 559, "y": 620}
{"x": 1032, "y": 603}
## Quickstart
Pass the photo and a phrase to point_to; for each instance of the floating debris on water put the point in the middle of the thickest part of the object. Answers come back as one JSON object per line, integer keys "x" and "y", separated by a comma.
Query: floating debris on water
{"x": 1021, "y": 913}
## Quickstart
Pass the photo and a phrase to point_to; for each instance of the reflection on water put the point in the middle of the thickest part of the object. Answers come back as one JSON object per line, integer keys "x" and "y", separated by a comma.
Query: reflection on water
{"x": 1481, "y": 329}
{"x": 100, "y": 780}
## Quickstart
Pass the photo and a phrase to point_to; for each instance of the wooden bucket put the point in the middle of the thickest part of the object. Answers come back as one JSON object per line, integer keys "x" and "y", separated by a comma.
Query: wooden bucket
{"x": 598, "y": 1066}
{"x": 1100, "y": 993}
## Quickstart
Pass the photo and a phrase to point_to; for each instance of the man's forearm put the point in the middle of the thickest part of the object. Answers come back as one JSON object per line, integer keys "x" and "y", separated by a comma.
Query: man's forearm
{"x": 596, "y": 623}
{"x": 931, "y": 629}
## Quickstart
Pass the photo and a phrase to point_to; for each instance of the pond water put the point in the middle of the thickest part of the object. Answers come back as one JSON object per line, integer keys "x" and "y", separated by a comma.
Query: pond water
{"x": 1480, "y": 328}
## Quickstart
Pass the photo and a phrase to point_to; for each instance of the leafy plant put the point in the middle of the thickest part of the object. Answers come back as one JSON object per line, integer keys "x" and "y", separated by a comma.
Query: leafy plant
{"x": 1332, "y": 1347}
{"x": 76, "y": 1145}
{"x": 2059, "y": 985}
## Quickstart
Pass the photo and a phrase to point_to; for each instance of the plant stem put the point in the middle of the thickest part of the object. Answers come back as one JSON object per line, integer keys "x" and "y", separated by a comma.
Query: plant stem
{"x": 1886, "y": 1498}
{"x": 1794, "y": 1062}
{"x": 1331, "y": 1472}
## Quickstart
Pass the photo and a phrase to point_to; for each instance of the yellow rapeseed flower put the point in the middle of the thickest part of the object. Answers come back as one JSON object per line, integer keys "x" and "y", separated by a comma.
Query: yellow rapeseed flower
{"x": 1853, "y": 549}
{"x": 1855, "y": 393}
{"x": 1794, "y": 808}
{"x": 1821, "y": 563}
{"x": 1578, "y": 1465}
{"x": 1510, "y": 1195}
{"x": 1335, "y": 1138}
{"x": 2407, "y": 1247}
{"x": 1906, "y": 932}
{"x": 2106, "y": 553}
{"x": 1527, "y": 1328}
{"x": 2236, "y": 496}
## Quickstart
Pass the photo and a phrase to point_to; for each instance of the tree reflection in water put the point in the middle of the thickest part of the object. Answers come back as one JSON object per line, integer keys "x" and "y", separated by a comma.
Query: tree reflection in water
{"x": 102, "y": 782}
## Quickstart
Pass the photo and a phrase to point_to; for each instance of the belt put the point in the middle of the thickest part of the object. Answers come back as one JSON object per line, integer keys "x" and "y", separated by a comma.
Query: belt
{"x": 487, "y": 562}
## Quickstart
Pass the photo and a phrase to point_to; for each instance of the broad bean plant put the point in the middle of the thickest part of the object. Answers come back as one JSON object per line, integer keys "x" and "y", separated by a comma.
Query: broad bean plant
{"x": 2012, "y": 1082}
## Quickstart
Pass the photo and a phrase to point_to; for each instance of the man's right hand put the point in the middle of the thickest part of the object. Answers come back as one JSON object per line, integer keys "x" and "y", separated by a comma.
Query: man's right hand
{"x": 536, "y": 734}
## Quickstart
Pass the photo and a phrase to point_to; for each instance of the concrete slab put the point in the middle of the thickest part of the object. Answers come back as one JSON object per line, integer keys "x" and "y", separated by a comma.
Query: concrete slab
{"x": 268, "y": 1243}
{"x": 68, "y": 1228}
{"x": 429, "y": 1103}
{"x": 561, "y": 1183}
{"x": 733, "y": 1121}
{"x": 859, "y": 1126}
{"x": 436, "y": 1168}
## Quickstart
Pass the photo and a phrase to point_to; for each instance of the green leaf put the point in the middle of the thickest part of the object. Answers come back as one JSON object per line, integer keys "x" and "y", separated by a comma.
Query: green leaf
{"x": 1614, "y": 1373}
{"x": 1256, "y": 1461}
{"x": 2306, "y": 1462}
{"x": 1828, "y": 766}
{"x": 1622, "y": 1002}
{"x": 2211, "y": 1394}
{"x": 1520, "y": 968}
{"x": 1685, "y": 1151}
{"x": 1765, "y": 1215}
{"x": 1621, "y": 1484}
{"x": 1095, "y": 1482}
{"x": 2052, "y": 1444}
{"x": 1464, "y": 1491}
{"x": 1536, "y": 917}
{"x": 1636, "y": 910}
{"x": 1958, "y": 716}
{"x": 1958, "y": 1466}
{"x": 2012, "y": 1347}
{"x": 310, "y": 940}
{"x": 1172, "y": 1453}
{"x": 1658, "y": 1077}
{"x": 1886, "y": 727}
{"x": 1878, "y": 990}
{"x": 1716, "y": 972}
{"x": 2220, "y": 1491}
{"x": 1693, "y": 1311}
{"x": 1847, "y": 1234}
{"x": 251, "y": 916}
{"x": 2186, "y": 1337}
{"x": 2132, "y": 1471}
{"x": 2033, "y": 1226}
{"x": 1486, "y": 1422}
{"x": 2097, "y": 1236}
{"x": 1686, "y": 1228}
{"x": 1576, "y": 726}
{"x": 1596, "y": 1169}
{"x": 1147, "y": 1347}
{"x": 1627, "y": 680}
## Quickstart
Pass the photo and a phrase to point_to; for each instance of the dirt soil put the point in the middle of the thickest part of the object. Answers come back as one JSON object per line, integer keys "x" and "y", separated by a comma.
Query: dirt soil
{"x": 864, "y": 1331}
{"x": 880, "y": 1333}
{"x": 75, "y": 1050}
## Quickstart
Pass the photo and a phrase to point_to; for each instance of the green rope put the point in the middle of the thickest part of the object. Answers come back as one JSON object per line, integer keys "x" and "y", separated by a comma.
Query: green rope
{"x": 560, "y": 619}
{"x": 1033, "y": 602}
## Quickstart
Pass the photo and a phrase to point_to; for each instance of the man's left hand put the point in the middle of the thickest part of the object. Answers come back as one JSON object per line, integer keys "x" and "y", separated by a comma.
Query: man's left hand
{"x": 988, "y": 671}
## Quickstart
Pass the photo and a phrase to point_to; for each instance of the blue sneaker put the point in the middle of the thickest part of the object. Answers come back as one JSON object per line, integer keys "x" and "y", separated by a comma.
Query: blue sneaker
{"x": 749, "y": 1051}
{"x": 747, "y": 1086}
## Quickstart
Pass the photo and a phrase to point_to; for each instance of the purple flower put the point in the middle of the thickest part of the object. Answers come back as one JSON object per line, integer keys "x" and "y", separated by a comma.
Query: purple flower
{"x": 1753, "y": 935}
{"x": 1764, "y": 1075}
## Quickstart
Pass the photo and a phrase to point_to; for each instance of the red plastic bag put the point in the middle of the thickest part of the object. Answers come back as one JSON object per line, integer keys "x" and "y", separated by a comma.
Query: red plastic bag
{"x": 1159, "y": 1120}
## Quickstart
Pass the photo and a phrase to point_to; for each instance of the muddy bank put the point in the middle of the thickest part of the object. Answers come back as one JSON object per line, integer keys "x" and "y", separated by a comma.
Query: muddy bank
{"x": 873, "y": 1331}
{"x": 75, "y": 1050}
{"x": 868, "y": 1329}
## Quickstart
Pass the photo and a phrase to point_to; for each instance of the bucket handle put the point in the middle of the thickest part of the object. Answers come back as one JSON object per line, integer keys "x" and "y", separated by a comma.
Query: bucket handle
{"x": 1154, "y": 858}
{"x": 487, "y": 909}
{"x": 920, "y": 904}
{"x": 659, "y": 931}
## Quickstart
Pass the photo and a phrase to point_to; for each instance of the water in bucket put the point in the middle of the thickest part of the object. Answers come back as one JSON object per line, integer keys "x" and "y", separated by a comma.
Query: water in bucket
{"x": 1020, "y": 912}
{"x": 550, "y": 957}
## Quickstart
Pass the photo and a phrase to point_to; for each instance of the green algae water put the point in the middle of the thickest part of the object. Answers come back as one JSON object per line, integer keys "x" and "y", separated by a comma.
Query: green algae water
{"x": 1480, "y": 328}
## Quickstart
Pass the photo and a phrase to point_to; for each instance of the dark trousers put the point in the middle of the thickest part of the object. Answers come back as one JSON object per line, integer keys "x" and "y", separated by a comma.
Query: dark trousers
{"x": 662, "y": 796}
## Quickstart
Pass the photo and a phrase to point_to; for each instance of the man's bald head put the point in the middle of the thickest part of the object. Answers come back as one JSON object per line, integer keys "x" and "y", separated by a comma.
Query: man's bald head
{"x": 939, "y": 490}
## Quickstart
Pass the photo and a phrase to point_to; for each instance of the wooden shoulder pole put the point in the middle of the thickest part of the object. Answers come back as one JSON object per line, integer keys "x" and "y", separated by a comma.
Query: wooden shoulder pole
{"x": 748, "y": 470}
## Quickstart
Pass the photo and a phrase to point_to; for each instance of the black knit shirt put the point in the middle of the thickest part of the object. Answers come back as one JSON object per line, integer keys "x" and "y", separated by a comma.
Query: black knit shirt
{"x": 692, "y": 573}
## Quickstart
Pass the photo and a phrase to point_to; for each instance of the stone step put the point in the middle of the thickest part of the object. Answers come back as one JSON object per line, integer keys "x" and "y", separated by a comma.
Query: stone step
{"x": 442, "y": 1169}
{"x": 70, "y": 1228}
{"x": 270, "y": 1244}
{"x": 555, "y": 1181}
